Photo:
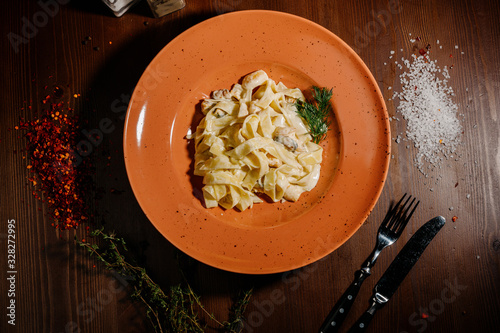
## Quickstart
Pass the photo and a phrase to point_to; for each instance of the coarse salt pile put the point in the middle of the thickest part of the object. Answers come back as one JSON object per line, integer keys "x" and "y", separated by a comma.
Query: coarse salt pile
{"x": 430, "y": 114}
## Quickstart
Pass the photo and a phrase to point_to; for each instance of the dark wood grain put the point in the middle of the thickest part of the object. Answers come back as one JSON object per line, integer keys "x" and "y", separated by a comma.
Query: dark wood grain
{"x": 455, "y": 283}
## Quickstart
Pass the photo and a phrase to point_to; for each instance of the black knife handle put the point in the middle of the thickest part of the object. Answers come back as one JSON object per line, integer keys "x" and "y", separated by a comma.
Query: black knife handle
{"x": 339, "y": 312}
{"x": 366, "y": 318}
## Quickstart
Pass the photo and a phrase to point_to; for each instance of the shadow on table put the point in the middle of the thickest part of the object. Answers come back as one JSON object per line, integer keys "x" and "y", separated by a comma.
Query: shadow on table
{"x": 115, "y": 204}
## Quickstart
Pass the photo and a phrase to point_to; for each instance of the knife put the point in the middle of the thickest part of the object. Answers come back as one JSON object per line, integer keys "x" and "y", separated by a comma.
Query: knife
{"x": 397, "y": 271}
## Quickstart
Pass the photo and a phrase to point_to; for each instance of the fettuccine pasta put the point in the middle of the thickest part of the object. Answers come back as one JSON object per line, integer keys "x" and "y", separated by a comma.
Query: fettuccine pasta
{"x": 252, "y": 142}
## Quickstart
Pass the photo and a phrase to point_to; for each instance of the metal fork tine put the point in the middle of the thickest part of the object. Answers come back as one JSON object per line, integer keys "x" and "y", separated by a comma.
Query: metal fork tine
{"x": 389, "y": 231}
{"x": 407, "y": 217}
{"x": 398, "y": 214}
{"x": 401, "y": 214}
{"x": 411, "y": 213}
{"x": 390, "y": 215}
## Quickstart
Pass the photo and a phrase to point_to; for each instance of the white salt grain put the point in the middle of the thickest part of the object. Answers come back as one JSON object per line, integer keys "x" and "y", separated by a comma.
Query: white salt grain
{"x": 430, "y": 114}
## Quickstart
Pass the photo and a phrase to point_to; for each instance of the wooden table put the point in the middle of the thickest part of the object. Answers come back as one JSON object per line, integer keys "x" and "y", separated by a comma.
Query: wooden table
{"x": 453, "y": 288}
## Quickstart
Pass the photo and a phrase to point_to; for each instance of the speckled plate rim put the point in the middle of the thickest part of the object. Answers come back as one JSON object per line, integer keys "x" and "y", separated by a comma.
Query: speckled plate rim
{"x": 151, "y": 153}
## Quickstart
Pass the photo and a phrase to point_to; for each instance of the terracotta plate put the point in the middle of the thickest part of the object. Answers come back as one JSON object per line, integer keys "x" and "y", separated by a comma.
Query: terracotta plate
{"x": 215, "y": 54}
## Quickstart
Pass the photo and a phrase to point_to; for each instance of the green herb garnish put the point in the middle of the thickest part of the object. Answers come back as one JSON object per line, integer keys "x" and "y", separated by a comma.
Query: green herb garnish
{"x": 316, "y": 113}
{"x": 172, "y": 311}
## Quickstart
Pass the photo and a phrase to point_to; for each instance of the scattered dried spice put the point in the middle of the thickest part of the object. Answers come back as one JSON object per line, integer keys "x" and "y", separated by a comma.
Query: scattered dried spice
{"x": 61, "y": 178}
{"x": 454, "y": 218}
{"x": 55, "y": 176}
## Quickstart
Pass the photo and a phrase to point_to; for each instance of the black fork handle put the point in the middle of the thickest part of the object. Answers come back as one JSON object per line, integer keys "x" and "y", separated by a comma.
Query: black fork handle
{"x": 362, "y": 323}
{"x": 339, "y": 312}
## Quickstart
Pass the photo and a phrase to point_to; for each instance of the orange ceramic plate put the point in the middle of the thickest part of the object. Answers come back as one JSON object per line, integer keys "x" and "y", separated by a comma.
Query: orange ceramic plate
{"x": 270, "y": 237}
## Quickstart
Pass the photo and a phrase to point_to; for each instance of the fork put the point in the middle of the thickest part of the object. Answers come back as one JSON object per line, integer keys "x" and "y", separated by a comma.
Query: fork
{"x": 389, "y": 231}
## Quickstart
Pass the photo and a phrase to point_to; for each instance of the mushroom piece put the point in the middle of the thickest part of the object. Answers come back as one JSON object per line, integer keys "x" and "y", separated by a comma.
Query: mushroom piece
{"x": 219, "y": 113}
{"x": 284, "y": 135}
{"x": 287, "y": 141}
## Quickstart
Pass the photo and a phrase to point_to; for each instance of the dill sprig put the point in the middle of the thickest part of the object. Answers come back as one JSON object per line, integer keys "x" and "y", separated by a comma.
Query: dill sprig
{"x": 316, "y": 113}
{"x": 172, "y": 311}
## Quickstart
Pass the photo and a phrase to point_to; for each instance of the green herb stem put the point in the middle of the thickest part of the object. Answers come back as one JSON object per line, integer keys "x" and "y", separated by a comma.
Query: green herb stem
{"x": 175, "y": 311}
{"x": 316, "y": 113}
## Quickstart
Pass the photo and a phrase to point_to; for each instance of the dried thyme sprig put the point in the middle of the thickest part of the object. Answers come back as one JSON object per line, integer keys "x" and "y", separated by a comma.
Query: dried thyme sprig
{"x": 235, "y": 323}
{"x": 175, "y": 311}
{"x": 316, "y": 113}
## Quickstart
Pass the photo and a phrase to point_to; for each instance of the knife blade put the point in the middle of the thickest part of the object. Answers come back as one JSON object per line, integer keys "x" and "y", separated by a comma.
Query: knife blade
{"x": 399, "y": 268}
